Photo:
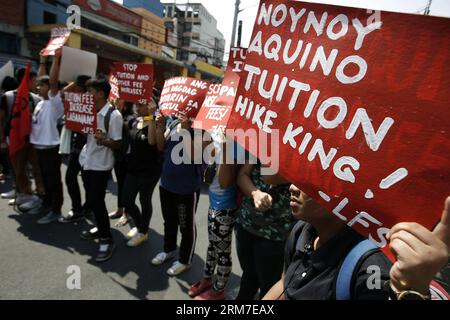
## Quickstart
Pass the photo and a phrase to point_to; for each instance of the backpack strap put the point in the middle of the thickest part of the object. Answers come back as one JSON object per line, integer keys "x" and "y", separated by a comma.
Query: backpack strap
{"x": 348, "y": 267}
{"x": 438, "y": 292}
{"x": 108, "y": 118}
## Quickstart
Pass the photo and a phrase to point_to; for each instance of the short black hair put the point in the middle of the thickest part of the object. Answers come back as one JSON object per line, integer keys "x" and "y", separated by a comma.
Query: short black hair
{"x": 99, "y": 83}
{"x": 81, "y": 81}
{"x": 9, "y": 84}
{"x": 21, "y": 72}
{"x": 44, "y": 79}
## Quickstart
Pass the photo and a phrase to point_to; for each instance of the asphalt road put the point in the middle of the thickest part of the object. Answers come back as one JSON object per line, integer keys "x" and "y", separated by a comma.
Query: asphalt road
{"x": 34, "y": 259}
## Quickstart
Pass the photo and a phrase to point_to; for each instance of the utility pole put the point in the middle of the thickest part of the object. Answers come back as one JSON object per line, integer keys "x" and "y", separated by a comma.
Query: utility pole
{"x": 236, "y": 12}
{"x": 239, "y": 37}
{"x": 427, "y": 9}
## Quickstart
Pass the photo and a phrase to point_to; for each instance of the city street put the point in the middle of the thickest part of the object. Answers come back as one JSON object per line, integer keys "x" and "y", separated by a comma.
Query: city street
{"x": 34, "y": 258}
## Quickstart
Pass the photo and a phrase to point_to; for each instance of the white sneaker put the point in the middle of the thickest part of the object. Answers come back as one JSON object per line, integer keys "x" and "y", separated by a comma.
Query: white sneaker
{"x": 9, "y": 195}
{"x": 163, "y": 257}
{"x": 34, "y": 203}
{"x": 177, "y": 268}
{"x": 132, "y": 233}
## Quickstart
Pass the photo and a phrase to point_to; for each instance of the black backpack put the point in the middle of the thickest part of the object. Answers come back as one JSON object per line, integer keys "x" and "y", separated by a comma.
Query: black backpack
{"x": 119, "y": 154}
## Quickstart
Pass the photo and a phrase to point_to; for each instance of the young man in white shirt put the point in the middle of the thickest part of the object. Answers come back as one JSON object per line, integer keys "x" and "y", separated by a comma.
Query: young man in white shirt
{"x": 97, "y": 160}
{"x": 45, "y": 139}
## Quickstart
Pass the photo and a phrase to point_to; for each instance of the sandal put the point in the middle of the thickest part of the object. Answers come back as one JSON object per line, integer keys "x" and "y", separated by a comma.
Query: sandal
{"x": 122, "y": 221}
{"x": 200, "y": 287}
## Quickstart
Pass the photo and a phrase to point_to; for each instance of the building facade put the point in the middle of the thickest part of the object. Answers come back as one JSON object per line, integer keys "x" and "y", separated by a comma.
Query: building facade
{"x": 13, "y": 45}
{"x": 153, "y": 32}
{"x": 153, "y": 6}
{"x": 198, "y": 36}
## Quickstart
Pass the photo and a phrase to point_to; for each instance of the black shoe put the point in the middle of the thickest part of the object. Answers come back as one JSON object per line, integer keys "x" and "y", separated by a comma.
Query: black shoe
{"x": 90, "y": 234}
{"x": 105, "y": 250}
{"x": 88, "y": 214}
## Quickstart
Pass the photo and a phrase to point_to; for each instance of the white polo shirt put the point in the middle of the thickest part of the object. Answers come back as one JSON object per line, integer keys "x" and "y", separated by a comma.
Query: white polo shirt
{"x": 44, "y": 129}
{"x": 101, "y": 158}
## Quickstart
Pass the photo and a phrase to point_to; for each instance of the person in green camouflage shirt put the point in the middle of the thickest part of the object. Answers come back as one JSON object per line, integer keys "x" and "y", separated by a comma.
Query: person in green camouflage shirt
{"x": 263, "y": 224}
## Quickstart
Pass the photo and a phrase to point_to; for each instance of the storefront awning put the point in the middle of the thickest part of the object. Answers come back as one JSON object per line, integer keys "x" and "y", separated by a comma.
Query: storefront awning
{"x": 204, "y": 67}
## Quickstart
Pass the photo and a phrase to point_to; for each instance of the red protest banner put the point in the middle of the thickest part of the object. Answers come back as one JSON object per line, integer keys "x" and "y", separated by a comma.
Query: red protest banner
{"x": 80, "y": 113}
{"x": 216, "y": 109}
{"x": 132, "y": 81}
{"x": 183, "y": 94}
{"x": 236, "y": 59}
{"x": 58, "y": 38}
{"x": 114, "y": 93}
{"x": 358, "y": 105}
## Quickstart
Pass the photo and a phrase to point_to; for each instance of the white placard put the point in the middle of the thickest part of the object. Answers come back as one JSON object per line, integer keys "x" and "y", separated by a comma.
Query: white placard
{"x": 75, "y": 62}
{"x": 6, "y": 70}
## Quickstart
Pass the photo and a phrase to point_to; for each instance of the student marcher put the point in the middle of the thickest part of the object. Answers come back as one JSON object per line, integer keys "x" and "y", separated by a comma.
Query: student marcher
{"x": 262, "y": 227}
{"x": 45, "y": 139}
{"x": 97, "y": 161}
{"x": 320, "y": 243}
{"x": 143, "y": 172}
{"x": 25, "y": 155}
{"x": 221, "y": 220}
{"x": 121, "y": 162}
{"x": 179, "y": 192}
{"x": 77, "y": 141}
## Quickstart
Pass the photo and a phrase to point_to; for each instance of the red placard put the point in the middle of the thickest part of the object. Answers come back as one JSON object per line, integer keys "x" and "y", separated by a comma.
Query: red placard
{"x": 132, "y": 81}
{"x": 216, "y": 109}
{"x": 360, "y": 104}
{"x": 59, "y": 37}
{"x": 80, "y": 113}
{"x": 236, "y": 59}
{"x": 183, "y": 94}
{"x": 114, "y": 93}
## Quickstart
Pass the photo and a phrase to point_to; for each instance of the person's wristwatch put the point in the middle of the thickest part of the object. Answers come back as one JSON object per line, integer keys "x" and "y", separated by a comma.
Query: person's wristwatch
{"x": 409, "y": 294}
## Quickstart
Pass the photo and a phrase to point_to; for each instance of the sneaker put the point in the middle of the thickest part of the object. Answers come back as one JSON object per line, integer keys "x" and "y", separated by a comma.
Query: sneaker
{"x": 177, "y": 268}
{"x": 71, "y": 217}
{"x": 132, "y": 233}
{"x": 30, "y": 204}
{"x": 49, "y": 218}
{"x": 8, "y": 195}
{"x": 105, "y": 250}
{"x": 39, "y": 210}
{"x": 211, "y": 295}
{"x": 200, "y": 287}
{"x": 24, "y": 198}
{"x": 138, "y": 239}
{"x": 163, "y": 257}
{"x": 90, "y": 234}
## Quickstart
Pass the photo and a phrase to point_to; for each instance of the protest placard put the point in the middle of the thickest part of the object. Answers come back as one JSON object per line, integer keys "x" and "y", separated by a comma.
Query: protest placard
{"x": 114, "y": 93}
{"x": 236, "y": 59}
{"x": 80, "y": 112}
{"x": 358, "y": 103}
{"x": 7, "y": 70}
{"x": 132, "y": 81}
{"x": 75, "y": 62}
{"x": 216, "y": 109}
{"x": 59, "y": 37}
{"x": 183, "y": 94}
